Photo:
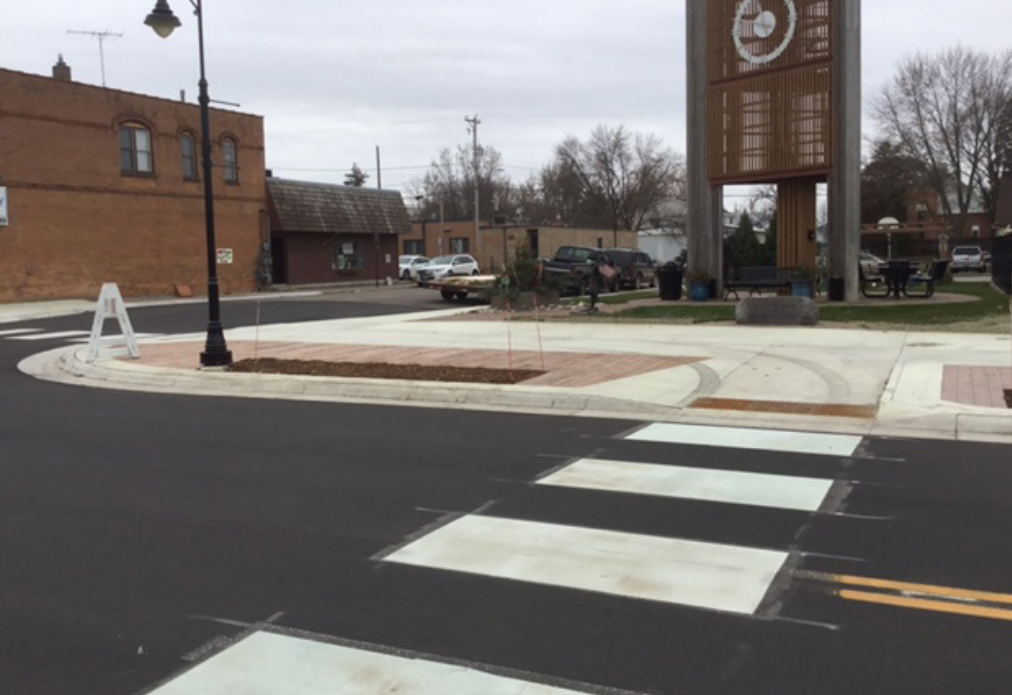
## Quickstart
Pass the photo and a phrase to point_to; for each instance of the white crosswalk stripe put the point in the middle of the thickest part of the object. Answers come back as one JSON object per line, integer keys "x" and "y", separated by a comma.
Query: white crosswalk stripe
{"x": 50, "y": 336}
{"x": 37, "y": 334}
{"x": 665, "y": 568}
{"x": 734, "y": 487}
{"x": 18, "y": 331}
{"x": 741, "y": 438}
{"x": 689, "y": 573}
{"x": 271, "y": 664}
{"x": 107, "y": 338}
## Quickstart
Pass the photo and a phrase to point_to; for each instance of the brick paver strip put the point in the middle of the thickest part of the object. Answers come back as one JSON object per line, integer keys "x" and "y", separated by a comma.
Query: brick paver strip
{"x": 564, "y": 369}
{"x": 980, "y": 386}
{"x": 785, "y": 407}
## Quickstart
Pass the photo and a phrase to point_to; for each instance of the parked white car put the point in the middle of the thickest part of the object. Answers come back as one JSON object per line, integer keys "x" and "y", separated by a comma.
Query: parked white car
{"x": 409, "y": 265}
{"x": 968, "y": 258}
{"x": 446, "y": 266}
{"x": 870, "y": 264}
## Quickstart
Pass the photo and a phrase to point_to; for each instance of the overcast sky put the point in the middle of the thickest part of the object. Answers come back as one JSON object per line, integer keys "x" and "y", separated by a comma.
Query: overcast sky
{"x": 335, "y": 79}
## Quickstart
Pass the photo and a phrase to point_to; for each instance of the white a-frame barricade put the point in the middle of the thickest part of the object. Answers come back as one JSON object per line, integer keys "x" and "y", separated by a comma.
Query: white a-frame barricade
{"x": 110, "y": 305}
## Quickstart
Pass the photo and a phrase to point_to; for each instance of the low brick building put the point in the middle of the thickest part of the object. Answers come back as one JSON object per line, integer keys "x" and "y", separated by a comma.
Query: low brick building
{"x": 426, "y": 239}
{"x": 106, "y": 186}
{"x": 327, "y": 233}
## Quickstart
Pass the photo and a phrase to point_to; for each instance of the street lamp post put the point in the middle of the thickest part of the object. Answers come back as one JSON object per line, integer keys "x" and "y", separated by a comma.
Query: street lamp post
{"x": 216, "y": 352}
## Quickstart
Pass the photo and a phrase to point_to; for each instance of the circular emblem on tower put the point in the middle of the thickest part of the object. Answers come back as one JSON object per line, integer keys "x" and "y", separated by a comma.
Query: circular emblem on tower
{"x": 763, "y": 29}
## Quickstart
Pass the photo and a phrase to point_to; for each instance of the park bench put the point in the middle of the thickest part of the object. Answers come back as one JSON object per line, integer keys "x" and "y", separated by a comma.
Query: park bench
{"x": 755, "y": 279}
{"x": 923, "y": 284}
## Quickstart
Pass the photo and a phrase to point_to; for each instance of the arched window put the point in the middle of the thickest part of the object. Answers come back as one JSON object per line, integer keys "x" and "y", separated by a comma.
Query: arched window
{"x": 231, "y": 160}
{"x": 188, "y": 145}
{"x": 135, "y": 149}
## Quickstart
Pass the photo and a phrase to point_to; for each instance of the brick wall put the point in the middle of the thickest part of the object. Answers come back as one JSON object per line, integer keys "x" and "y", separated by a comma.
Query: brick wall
{"x": 76, "y": 221}
{"x": 311, "y": 260}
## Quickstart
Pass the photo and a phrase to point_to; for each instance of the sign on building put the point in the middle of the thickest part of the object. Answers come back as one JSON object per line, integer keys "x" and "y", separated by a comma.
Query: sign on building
{"x": 225, "y": 257}
{"x": 4, "y": 221}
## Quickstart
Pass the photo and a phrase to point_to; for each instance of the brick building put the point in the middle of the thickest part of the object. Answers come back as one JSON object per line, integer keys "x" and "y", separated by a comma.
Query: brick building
{"x": 105, "y": 186}
{"x": 327, "y": 233}
{"x": 541, "y": 240}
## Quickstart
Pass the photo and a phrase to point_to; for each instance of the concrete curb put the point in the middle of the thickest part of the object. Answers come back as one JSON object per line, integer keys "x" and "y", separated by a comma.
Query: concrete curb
{"x": 67, "y": 366}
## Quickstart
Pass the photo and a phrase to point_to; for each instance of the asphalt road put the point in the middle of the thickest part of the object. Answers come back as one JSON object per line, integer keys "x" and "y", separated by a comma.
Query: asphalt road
{"x": 137, "y": 529}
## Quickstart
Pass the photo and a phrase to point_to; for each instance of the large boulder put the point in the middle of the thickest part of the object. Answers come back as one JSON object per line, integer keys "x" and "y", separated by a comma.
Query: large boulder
{"x": 777, "y": 311}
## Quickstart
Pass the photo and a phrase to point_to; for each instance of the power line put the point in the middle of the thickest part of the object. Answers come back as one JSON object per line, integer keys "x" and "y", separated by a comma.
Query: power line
{"x": 364, "y": 129}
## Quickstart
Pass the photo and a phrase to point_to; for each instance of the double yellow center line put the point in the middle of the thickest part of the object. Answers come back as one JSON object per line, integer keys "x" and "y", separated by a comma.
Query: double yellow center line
{"x": 925, "y": 597}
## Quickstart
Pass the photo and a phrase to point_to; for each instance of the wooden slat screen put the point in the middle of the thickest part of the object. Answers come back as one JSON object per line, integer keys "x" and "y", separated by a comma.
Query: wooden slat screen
{"x": 772, "y": 121}
{"x": 812, "y": 40}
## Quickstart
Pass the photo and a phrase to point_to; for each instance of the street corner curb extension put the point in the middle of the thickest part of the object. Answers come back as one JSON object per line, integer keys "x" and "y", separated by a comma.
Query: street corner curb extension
{"x": 68, "y": 366}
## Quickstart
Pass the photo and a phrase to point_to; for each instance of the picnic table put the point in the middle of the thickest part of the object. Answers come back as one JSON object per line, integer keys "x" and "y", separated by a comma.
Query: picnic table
{"x": 897, "y": 274}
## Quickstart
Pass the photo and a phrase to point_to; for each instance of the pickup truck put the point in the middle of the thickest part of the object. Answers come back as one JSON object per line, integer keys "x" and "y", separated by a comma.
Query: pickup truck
{"x": 570, "y": 262}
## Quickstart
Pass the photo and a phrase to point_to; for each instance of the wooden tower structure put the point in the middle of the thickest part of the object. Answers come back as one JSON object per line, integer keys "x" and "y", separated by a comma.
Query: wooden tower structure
{"x": 775, "y": 97}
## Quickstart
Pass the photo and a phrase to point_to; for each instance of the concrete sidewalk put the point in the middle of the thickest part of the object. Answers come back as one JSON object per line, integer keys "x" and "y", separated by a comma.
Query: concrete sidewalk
{"x": 938, "y": 385}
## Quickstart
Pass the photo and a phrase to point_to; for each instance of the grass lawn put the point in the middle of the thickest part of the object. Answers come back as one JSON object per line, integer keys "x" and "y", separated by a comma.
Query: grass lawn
{"x": 605, "y": 298}
{"x": 991, "y": 304}
{"x": 990, "y": 311}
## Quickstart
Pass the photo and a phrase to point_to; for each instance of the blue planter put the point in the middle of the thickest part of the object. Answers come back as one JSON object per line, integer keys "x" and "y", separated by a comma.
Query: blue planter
{"x": 699, "y": 291}
{"x": 803, "y": 288}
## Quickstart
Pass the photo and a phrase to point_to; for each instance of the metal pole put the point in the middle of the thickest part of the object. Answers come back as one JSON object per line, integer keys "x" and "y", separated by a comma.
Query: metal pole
{"x": 479, "y": 247}
{"x": 216, "y": 352}
{"x": 442, "y": 228}
{"x": 101, "y": 56}
{"x": 375, "y": 234}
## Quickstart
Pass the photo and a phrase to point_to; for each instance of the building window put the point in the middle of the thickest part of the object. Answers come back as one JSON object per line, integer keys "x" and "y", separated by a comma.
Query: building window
{"x": 460, "y": 245}
{"x": 135, "y": 149}
{"x": 188, "y": 143}
{"x": 231, "y": 160}
{"x": 346, "y": 256}
{"x": 414, "y": 248}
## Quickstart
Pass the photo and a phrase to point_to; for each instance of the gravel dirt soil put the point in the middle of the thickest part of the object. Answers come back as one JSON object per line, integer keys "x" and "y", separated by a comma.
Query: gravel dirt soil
{"x": 379, "y": 370}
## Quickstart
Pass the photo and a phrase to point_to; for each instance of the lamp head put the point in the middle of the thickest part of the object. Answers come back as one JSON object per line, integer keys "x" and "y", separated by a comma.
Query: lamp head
{"x": 162, "y": 20}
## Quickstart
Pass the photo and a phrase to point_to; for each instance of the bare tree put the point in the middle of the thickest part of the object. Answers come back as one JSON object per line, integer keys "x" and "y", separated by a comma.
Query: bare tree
{"x": 762, "y": 205}
{"x": 615, "y": 179}
{"x": 945, "y": 110}
{"x": 451, "y": 179}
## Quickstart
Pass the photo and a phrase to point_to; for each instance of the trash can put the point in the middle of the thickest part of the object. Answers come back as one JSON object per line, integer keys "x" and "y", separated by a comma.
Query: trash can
{"x": 837, "y": 290}
{"x": 669, "y": 281}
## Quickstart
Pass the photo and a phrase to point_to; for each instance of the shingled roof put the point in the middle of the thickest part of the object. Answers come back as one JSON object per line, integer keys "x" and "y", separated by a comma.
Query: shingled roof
{"x": 301, "y": 206}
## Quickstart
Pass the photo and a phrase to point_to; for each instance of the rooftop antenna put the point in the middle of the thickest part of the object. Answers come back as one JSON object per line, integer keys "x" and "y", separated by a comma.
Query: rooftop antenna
{"x": 102, "y": 36}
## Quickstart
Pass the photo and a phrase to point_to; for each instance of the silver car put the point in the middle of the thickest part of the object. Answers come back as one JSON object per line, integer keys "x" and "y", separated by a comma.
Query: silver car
{"x": 968, "y": 258}
{"x": 410, "y": 265}
{"x": 445, "y": 266}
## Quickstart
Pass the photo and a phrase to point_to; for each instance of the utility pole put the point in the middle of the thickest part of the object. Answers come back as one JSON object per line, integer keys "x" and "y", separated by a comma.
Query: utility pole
{"x": 101, "y": 36}
{"x": 473, "y": 124}
{"x": 375, "y": 234}
{"x": 442, "y": 224}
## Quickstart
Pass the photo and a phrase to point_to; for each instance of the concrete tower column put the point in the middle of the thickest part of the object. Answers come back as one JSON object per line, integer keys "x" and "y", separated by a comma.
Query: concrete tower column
{"x": 704, "y": 216}
{"x": 845, "y": 182}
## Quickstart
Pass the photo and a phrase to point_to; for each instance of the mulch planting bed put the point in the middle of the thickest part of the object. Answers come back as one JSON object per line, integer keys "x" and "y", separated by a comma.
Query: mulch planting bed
{"x": 379, "y": 370}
